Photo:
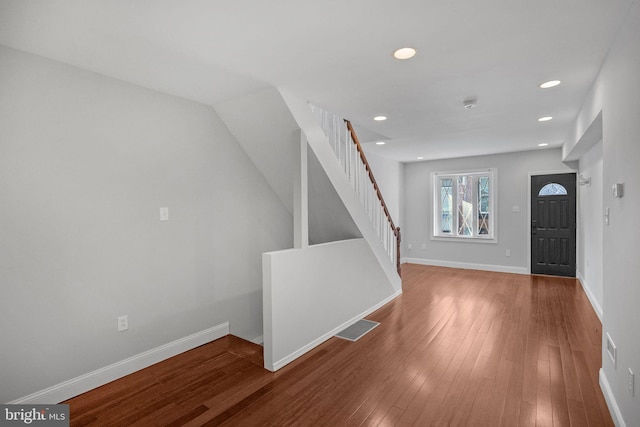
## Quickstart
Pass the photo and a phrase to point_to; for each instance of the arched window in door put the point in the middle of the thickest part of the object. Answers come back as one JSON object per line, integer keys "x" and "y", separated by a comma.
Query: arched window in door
{"x": 553, "y": 189}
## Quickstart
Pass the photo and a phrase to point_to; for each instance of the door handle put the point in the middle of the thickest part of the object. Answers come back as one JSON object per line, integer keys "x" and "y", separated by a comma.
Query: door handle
{"x": 534, "y": 227}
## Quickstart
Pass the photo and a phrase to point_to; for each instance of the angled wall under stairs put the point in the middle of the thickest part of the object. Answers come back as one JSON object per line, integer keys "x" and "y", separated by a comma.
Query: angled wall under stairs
{"x": 266, "y": 130}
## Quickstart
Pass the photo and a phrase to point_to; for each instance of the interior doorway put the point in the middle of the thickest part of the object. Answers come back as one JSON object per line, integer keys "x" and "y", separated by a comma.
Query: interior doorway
{"x": 553, "y": 224}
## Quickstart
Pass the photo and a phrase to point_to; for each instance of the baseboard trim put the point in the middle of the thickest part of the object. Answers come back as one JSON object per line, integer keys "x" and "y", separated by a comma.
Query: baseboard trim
{"x": 467, "y": 265}
{"x": 293, "y": 356}
{"x": 257, "y": 340}
{"x": 592, "y": 298}
{"x": 611, "y": 400}
{"x": 83, "y": 383}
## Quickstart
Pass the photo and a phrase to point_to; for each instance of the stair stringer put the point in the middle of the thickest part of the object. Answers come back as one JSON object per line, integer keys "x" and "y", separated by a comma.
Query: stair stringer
{"x": 318, "y": 142}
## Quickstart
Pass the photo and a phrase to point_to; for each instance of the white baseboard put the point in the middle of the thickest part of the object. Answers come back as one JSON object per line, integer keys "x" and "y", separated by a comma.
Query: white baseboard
{"x": 467, "y": 265}
{"x": 293, "y": 356}
{"x": 83, "y": 383}
{"x": 592, "y": 298}
{"x": 611, "y": 401}
{"x": 257, "y": 340}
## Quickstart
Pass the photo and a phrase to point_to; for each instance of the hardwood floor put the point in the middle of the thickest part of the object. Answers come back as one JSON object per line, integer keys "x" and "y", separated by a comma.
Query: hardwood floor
{"x": 459, "y": 347}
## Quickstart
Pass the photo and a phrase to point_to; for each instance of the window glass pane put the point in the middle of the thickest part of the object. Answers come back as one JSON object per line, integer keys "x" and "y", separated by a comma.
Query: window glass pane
{"x": 446, "y": 204}
{"x": 483, "y": 205}
{"x": 465, "y": 206}
{"x": 552, "y": 189}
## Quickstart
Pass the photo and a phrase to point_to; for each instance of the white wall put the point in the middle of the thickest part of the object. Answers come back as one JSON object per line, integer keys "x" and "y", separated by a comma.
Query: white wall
{"x": 513, "y": 174}
{"x": 263, "y": 126}
{"x": 329, "y": 219}
{"x": 590, "y": 225}
{"x": 615, "y": 93}
{"x": 85, "y": 163}
{"x": 313, "y": 293}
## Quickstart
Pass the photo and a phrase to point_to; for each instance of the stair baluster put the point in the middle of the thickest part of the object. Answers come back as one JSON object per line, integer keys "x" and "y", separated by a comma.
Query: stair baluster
{"x": 353, "y": 161}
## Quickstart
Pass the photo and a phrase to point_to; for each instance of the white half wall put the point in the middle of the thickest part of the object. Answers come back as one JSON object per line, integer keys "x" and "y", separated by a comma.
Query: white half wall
{"x": 311, "y": 294}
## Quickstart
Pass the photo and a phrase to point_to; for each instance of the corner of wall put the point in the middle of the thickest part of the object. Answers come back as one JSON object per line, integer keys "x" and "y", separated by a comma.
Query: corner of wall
{"x": 592, "y": 299}
{"x": 83, "y": 383}
{"x": 609, "y": 397}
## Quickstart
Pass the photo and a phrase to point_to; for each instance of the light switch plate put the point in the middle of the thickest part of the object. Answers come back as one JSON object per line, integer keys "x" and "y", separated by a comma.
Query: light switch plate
{"x": 617, "y": 190}
{"x": 164, "y": 214}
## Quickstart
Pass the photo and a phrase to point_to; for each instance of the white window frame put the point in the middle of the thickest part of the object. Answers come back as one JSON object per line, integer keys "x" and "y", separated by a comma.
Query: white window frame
{"x": 437, "y": 234}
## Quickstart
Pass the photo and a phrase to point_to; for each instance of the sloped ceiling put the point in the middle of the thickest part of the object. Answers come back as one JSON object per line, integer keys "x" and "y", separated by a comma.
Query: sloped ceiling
{"x": 338, "y": 54}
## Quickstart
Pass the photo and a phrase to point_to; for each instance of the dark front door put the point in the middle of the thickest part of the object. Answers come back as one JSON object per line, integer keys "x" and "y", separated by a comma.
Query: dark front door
{"x": 553, "y": 224}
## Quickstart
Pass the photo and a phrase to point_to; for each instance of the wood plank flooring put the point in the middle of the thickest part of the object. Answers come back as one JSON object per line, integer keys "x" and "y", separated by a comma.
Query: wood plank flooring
{"x": 458, "y": 348}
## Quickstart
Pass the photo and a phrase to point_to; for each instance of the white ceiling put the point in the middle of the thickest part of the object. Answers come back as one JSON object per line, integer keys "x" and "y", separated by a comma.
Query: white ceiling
{"x": 338, "y": 54}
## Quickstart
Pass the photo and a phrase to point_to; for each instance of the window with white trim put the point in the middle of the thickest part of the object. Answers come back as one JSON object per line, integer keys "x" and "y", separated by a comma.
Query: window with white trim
{"x": 464, "y": 204}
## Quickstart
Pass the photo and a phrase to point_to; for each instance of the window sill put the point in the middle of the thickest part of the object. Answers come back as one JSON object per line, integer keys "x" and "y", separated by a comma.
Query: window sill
{"x": 459, "y": 239}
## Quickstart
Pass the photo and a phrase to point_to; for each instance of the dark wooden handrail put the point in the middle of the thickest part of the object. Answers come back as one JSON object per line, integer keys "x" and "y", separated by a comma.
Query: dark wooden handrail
{"x": 396, "y": 230}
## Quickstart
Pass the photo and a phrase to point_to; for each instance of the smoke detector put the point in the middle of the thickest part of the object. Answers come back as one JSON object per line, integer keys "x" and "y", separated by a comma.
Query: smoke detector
{"x": 470, "y": 103}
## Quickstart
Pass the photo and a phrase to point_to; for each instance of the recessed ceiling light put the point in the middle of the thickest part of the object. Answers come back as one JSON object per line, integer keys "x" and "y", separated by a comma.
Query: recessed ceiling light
{"x": 380, "y": 118}
{"x": 542, "y": 144}
{"x": 380, "y": 143}
{"x": 545, "y": 119}
{"x": 404, "y": 53}
{"x": 470, "y": 103}
{"x": 550, "y": 83}
{"x": 419, "y": 158}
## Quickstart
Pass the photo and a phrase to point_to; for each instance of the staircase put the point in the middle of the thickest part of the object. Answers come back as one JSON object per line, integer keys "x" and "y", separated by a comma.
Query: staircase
{"x": 344, "y": 261}
{"x": 345, "y": 144}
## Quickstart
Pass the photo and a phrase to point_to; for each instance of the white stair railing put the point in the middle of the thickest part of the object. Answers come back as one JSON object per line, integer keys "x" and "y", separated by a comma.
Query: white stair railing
{"x": 353, "y": 161}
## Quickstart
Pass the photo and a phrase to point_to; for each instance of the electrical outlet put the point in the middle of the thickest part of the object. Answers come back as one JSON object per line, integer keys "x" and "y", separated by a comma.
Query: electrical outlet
{"x": 123, "y": 323}
{"x": 409, "y": 247}
{"x": 507, "y": 252}
{"x": 630, "y": 381}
